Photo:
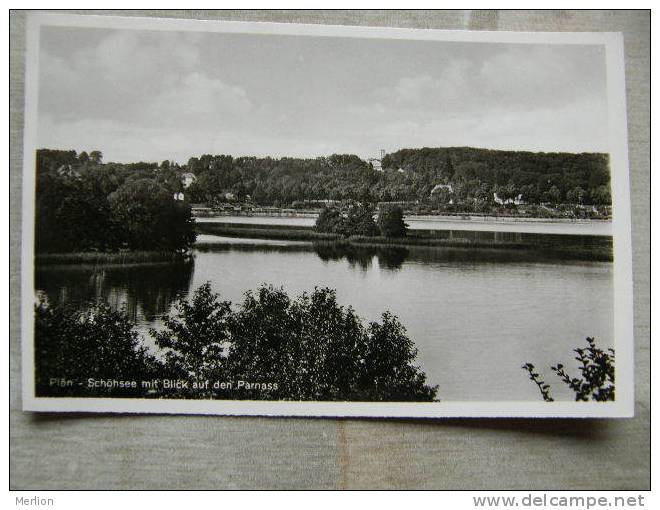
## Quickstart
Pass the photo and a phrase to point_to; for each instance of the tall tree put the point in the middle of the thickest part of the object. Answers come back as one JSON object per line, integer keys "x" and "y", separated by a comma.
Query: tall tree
{"x": 96, "y": 157}
{"x": 390, "y": 221}
{"x": 151, "y": 218}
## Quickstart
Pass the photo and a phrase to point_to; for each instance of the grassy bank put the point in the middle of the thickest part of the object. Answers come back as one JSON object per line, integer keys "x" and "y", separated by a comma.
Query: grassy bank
{"x": 122, "y": 257}
{"x": 279, "y": 232}
{"x": 561, "y": 246}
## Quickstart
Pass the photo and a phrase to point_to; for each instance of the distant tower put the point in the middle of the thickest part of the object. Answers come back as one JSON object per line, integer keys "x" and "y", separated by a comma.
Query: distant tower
{"x": 377, "y": 162}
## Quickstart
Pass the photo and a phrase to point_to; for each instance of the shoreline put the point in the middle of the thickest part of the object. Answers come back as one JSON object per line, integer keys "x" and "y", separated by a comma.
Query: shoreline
{"x": 564, "y": 226}
{"x": 468, "y": 218}
{"x": 472, "y": 218}
{"x": 577, "y": 247}
{"x": 118, "y": 258}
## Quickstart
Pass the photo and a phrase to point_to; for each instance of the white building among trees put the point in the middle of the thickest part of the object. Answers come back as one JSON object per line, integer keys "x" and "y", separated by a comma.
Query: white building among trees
{"x": 187, "y": 179}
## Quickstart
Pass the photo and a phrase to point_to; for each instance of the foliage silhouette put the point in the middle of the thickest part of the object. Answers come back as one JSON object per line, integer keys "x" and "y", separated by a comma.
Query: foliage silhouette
{"x": 84, "y": 205}
{"x": 279, "y": 348}
{"x": 390, "y": 221}
{"x": 97, "y": 343}
{"x": 330, "y": 221}
{"x": 597, "y": 375}
{"x": 194, "y": 335}
{"x": 150, "y": 218}
{"x": 409, "y": 175}
{"x": 357, "y": 221}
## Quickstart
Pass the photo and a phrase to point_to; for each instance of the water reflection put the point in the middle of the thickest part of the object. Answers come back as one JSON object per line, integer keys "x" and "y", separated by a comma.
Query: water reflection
{"x": 476, "y": 315}
{"x": 358, "y": 256}
{"x": 525, "y": 238}
{"x": 146, "y": 291}
{"x": 390, "y": 258}
{"x": 444, "y": 223}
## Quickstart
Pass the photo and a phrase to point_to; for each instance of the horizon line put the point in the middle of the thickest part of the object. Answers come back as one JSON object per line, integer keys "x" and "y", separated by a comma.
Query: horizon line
{"x": 329, "y": 155}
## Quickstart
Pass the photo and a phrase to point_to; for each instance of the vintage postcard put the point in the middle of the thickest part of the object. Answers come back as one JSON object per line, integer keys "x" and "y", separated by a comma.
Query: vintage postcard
{"x": 283, "y": 219}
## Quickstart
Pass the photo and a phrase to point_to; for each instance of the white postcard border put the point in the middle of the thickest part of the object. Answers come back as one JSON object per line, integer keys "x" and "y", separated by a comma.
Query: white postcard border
{"x": 621, "y": 226}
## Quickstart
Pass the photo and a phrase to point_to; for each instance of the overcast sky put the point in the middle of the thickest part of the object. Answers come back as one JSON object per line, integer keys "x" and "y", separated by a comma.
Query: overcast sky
{"x": 150, "y": 96}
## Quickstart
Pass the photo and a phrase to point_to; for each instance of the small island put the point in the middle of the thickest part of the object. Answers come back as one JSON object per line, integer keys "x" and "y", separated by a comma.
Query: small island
{"x": 90, "y": 210}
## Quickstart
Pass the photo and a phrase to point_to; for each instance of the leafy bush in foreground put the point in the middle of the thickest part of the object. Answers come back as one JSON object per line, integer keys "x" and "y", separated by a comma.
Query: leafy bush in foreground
{"x": 97, "y": 343}
{"x": 320, "y": 350}
{"x": 193, "y": 338}
{"x": 596, "y": 368}
{"x": 307, "y": 348}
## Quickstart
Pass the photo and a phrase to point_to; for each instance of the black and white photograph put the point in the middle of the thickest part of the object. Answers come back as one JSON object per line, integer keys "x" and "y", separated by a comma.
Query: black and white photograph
{"x": 285, "y": 219}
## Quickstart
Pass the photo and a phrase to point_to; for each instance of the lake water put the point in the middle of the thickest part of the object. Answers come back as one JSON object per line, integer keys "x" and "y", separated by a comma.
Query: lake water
{"x": 535, "y": 226}
{"x": 475, "y": 315}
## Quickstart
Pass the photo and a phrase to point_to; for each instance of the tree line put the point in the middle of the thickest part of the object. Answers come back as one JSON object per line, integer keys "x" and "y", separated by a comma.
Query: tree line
{"x": 358, "y": 220}
{"x": 304, "y": 348}
{"x": 539, "y": 177}
{"x": 408, "y": 175}
{"x": 85, "y": 205}
{"x": 475, "y": 175}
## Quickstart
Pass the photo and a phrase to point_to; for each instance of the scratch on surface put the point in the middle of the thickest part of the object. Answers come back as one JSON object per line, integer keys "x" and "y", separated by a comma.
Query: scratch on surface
{"x": 344, "y": 455}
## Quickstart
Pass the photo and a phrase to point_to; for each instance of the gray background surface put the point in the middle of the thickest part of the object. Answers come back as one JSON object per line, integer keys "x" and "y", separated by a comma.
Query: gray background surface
{"x": 60, "y": 451}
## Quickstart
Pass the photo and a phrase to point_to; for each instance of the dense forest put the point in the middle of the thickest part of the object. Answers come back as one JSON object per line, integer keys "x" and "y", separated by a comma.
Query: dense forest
{"x": 409, "y": 175}
{"x": 84, "y": 203}
{"x": 538, "y": 177}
